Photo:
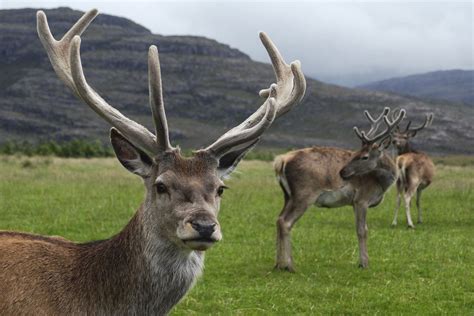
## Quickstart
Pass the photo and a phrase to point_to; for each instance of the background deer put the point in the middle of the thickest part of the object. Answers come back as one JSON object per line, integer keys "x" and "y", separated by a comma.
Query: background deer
{"x": 416, "y": 169}
{"x": 150, "y": 265}
{"x": 334, "y": 177}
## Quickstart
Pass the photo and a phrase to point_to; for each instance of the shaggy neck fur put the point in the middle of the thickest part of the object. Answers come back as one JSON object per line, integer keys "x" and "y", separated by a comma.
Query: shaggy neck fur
{"x": 136, "y": 272}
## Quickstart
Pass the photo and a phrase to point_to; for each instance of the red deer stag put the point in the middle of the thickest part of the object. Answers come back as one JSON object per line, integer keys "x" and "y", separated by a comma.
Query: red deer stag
{"x": 150, "y": 265}
{"x": 334, "y": 177}
{"x": 416, "y": 170}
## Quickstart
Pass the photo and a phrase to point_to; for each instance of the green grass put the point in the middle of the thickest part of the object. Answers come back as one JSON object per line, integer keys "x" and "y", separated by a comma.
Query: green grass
{"x": 429, "y": 270}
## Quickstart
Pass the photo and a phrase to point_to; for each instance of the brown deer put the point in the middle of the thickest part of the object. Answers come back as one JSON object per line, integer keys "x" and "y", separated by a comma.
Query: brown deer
{"x": 416, "y": 169}
{"x": 150, "y": 265}
{"x": 334, "y": 177}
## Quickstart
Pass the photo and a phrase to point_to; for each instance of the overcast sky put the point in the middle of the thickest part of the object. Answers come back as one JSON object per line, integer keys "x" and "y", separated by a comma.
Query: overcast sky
{"x": 343, "y": 42}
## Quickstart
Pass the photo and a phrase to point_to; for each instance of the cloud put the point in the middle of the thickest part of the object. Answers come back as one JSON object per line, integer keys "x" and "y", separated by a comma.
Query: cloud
{"x": 340, "y": 42}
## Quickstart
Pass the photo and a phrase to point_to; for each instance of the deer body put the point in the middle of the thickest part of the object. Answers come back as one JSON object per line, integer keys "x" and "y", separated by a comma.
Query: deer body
{"x": 131, "y": 273}
{"x": 151, "y": 264}
{"x": 416, "y": 171}
{"x": 332, "y": 177}
{"x": 311, "y": 176}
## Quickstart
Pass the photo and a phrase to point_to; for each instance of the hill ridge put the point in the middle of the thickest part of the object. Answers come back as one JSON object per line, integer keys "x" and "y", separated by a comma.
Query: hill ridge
{"x": 208, "y": 88}
{"x": 455, "y": 85}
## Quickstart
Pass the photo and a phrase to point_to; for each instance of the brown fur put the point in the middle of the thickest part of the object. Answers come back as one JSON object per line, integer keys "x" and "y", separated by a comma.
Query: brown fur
{"x": 41, "y": 275}
{"x": 416, "y": 172}
{"x": 312, "y": 176}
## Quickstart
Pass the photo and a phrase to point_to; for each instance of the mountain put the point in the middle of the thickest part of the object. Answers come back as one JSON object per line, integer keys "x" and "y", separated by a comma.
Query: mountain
{"x": 208, "y": 88}
{"x": 451, "y": 85}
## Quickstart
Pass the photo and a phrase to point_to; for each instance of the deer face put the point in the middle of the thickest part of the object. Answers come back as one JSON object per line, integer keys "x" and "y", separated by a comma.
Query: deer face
{"x": 400, "y": 140}
{"x": 373, "y": 144}
{"x": 364, "y": 161}
{"x": 402, "y": 137}
{"x": 183, "y": 194}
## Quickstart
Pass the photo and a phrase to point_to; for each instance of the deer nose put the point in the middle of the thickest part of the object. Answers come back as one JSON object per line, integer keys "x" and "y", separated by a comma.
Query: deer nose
{"x": 205, "y": 229}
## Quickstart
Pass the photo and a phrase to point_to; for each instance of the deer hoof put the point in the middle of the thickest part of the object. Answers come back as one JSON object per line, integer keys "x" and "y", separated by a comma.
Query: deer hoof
{"x": 411, "y": 226}
{"x": 282, "y": 267}
{"x": 363, "y": 265}
{"x": 394, "y": 224}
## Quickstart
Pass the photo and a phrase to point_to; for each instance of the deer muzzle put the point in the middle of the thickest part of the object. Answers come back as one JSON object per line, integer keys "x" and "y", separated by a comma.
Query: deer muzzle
{"x": 200, "y": 231}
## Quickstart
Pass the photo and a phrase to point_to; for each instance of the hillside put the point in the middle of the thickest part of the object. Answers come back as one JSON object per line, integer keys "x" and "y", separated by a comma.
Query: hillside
{"x": 208, "y": 88}
{"x": 451, "y": 85}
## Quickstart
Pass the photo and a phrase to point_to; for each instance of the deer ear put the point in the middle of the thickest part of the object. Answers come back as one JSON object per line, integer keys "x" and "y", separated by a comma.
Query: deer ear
{"x": 229, "y": 161}
{"x": 132, "y": 158}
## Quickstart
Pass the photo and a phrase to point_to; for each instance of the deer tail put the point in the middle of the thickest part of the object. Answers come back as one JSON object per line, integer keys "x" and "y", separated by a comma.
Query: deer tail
{"x": 402, "y": 173}
{"x": 279, "y": 165}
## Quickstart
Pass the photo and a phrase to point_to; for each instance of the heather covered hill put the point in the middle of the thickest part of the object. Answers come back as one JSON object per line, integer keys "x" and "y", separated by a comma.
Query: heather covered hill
{"x": 208, "y": 88}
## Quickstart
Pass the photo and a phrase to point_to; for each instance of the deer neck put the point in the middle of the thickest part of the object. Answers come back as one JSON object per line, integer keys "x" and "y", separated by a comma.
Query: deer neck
{"x": 137, "y": 271}
{"x": 386, "y": 172}
{"x": 408, "y": 148}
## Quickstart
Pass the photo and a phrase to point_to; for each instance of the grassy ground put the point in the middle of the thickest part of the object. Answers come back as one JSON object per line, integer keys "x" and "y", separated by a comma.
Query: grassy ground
{"x": 429, "y": 270}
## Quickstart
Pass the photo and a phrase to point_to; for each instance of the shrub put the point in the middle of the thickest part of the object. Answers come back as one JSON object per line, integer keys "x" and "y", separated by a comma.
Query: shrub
{"x": 69, "y": 149}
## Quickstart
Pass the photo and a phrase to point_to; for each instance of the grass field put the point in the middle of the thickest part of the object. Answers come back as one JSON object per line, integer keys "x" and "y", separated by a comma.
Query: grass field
{"x": 429, "y": 270}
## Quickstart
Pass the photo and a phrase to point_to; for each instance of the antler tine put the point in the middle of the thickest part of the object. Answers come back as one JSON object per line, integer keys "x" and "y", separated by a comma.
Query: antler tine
{"x": 390, "y": 127}
{"x": 223, "y": 145}
{"x": 426, "y": 123}
{"x": 290, "y": 94}
{"x": 385, "y": 112}
{"x": 359, "y": 134}
{"x": 58, "y": 51}
{"x": 407, "y": 127}
{"x": 366, "y": 137}
{"x": 285, "y": 94}
{"x": 65, "y": 58}
{"x": 375, "y": 123}
{"x": 156, "y": 99}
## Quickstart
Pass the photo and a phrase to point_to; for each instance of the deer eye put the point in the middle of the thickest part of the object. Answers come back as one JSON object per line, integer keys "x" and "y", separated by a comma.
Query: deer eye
{"x": 220, "y": 190}
{"x": 364, "y": 157}
{"x": 161, "y": 188}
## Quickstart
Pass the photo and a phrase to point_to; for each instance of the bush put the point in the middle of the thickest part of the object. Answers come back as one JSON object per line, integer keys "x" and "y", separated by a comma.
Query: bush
{"x": 75, "y": 148}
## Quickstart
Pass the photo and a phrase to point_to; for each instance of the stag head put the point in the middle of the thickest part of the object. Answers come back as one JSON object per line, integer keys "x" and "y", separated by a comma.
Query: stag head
{"x": 402, "y": 137}
{"x": 373, "y": 145}
{"x": 183, "y": 194}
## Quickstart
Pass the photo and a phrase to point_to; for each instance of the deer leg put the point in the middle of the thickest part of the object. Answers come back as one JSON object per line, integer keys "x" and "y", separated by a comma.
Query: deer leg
{"x": 397, "y": 206}
{"x": 360, "y": 212}
{"x": 418, "y": 205}
{"x": 290, "y": 214}
{"x": 407, "y": 196}
{"x": 283, "y": 255}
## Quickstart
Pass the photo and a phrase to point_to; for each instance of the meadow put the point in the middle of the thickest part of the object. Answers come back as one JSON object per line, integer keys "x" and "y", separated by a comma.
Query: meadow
{"x": 427, "y": 270}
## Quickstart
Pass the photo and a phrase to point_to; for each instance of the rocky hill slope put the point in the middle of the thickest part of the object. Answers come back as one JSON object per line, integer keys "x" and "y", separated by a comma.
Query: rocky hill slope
{"x": 209, "y": 87}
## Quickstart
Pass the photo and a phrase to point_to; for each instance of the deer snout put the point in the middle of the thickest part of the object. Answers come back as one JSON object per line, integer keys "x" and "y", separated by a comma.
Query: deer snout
{"x": 199, "y": 231}
{"x": 204, "y": 228}
{"x": 345, "y": 174}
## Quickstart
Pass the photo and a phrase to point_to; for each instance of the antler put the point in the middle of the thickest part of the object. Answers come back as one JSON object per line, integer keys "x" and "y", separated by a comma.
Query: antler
{"x": 65, "y": 58}
{"x": 66, "y": 61}
{"x": 375, "y": 123}
{"x": 426, "y": 123}
{"x": 369, "y": 139}
{"x": 281, "y": 98}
